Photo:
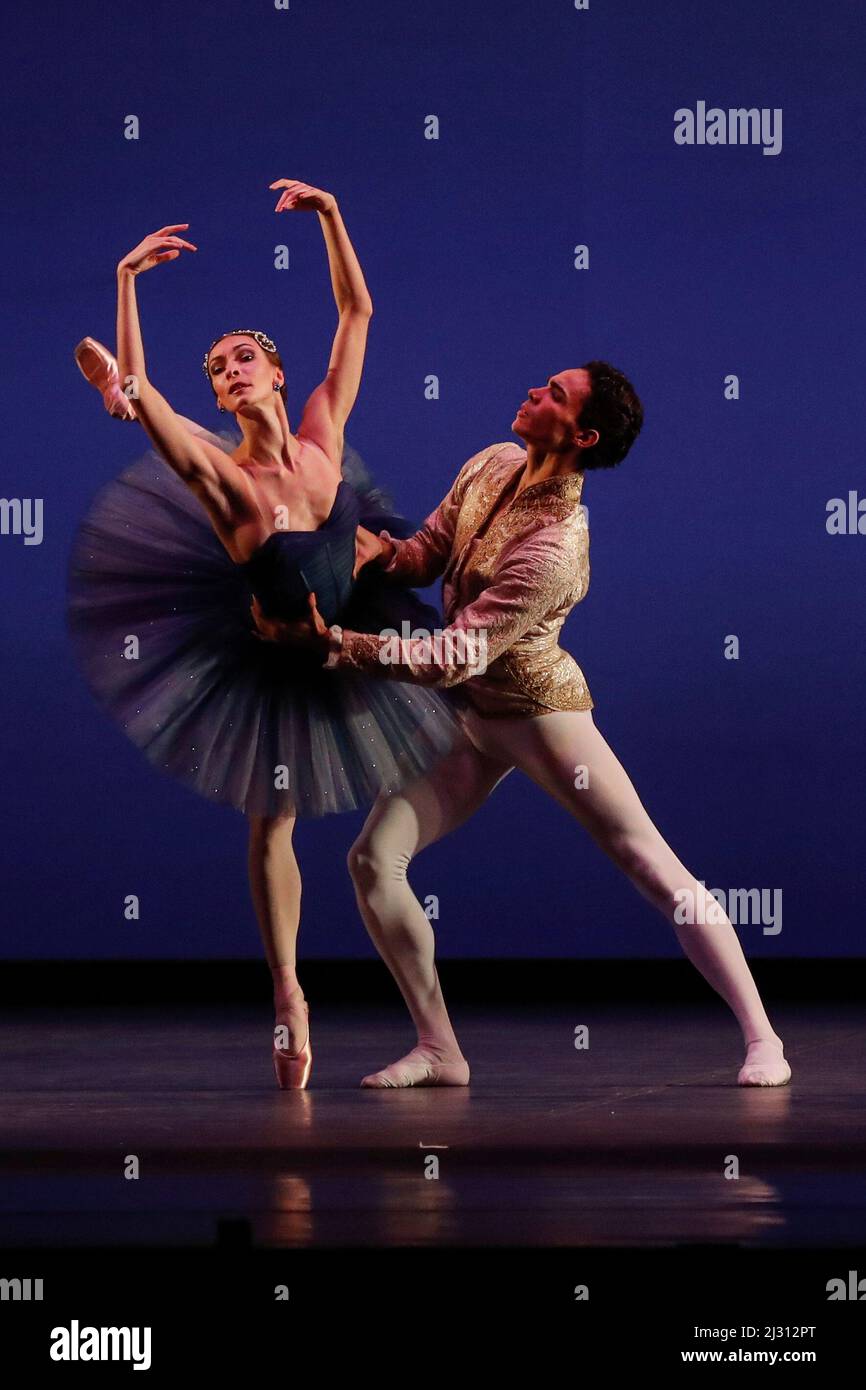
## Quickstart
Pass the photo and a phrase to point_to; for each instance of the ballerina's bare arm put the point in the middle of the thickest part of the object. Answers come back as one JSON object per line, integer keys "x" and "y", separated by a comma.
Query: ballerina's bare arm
{"x": 328, "y": 408}
{"x": 220, "y": 485}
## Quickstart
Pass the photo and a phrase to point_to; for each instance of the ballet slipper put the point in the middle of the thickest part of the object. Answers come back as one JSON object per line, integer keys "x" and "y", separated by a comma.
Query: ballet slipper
{"x": 764, "y": 1064}
{"x": 420, "y": 1067}
{"x": 99, "y": 367}
{"x": 293, "y": 1068}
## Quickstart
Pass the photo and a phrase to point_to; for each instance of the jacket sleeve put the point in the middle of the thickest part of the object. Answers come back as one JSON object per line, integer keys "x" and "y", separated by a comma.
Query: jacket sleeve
{"x": 422, "y": 558}
{"x": 535, "y": 581}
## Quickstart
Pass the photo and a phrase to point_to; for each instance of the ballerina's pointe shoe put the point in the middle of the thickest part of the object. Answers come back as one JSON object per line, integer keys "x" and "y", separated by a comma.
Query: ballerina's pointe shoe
{"x": 292, "y": 1068}
{"x": 764, "y": 1065}
{"x": 99, "y": 367}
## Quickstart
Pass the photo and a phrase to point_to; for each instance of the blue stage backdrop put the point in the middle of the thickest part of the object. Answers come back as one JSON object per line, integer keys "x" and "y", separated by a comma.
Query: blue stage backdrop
{"x": 719, "y": 276}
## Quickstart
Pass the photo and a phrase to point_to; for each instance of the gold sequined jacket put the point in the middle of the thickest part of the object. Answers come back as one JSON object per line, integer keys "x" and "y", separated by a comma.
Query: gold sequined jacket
{"x": 505, "y": 595}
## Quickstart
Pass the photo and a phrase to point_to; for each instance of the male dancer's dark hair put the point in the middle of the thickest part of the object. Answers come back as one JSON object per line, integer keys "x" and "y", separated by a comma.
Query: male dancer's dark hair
{"x": 615, "y": 411}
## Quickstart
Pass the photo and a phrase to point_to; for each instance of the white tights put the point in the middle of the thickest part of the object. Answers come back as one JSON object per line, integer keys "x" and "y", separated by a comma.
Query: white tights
{"x": 548, "y": 748}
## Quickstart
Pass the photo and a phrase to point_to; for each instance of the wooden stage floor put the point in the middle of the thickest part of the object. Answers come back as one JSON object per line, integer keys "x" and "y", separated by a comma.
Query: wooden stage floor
{"x": 628, "y": 1143}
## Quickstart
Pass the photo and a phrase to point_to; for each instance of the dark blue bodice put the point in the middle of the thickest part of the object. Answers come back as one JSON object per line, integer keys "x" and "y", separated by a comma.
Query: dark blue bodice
{"x": 292, "y": 564}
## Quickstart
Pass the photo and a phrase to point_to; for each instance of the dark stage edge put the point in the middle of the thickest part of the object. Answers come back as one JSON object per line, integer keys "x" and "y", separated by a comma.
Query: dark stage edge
{"x": 149, "y": 982}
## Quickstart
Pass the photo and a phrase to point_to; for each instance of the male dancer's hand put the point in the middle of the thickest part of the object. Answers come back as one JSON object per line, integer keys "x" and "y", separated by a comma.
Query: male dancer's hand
{"x": 369, "y": 547}
{"x": 387, "y": 547}
{"x": 311, "y": 631}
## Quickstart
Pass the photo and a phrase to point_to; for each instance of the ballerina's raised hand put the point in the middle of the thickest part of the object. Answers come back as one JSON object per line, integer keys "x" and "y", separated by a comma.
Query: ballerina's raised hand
{"x": 302, "y": 196}
{"x": 155, "y": 248}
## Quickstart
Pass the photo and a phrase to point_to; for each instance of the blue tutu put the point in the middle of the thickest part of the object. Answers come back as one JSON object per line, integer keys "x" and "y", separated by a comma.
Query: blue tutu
{"x": 159, "y": 616}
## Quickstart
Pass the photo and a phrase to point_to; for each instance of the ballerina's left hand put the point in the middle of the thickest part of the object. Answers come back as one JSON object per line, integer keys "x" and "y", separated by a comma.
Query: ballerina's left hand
{"x": 303, "y": 197}
{"x": 304, "y": 632}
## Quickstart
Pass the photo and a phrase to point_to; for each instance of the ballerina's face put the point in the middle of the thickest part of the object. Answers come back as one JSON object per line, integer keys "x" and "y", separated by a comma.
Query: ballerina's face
{"x": 241, "y": 374}
{"x": 549, "y": 415}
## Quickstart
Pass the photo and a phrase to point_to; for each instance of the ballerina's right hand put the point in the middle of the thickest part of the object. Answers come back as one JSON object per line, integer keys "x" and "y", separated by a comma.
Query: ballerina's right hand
{"x": 158, "y": 246}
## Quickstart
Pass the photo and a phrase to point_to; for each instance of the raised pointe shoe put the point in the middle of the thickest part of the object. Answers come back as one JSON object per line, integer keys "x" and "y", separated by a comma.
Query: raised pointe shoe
{"x": 99, "y": 367}
{"x": 293, "y": 1068}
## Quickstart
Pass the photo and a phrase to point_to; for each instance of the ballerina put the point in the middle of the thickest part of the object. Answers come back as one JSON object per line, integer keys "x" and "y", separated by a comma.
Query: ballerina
{"x": 167, "y": 560}
{"x": 512, "y": 544}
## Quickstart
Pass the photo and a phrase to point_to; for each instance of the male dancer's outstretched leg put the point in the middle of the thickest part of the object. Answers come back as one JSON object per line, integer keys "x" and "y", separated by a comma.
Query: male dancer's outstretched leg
{"x": 398, "y": 827}
{"x": 549, "y": 749}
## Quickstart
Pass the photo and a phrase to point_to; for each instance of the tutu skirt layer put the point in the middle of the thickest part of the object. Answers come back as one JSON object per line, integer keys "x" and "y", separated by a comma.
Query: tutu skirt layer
{"x": 159, "y": 617}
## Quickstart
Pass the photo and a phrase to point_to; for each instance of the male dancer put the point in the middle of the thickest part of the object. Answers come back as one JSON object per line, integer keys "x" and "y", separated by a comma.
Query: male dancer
{"x": 512, "y": 543}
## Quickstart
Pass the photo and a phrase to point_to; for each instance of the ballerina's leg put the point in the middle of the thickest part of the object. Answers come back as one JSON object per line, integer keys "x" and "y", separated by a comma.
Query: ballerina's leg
{"x": 275, "y": 887}
{"x": 398, "y": 827}
{"x": 551, "y": 749}
{"x": 100, "y": 367}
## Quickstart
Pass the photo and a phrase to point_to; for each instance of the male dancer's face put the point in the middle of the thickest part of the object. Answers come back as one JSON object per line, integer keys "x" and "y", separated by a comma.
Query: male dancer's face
{"x": 548, "y": 417}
